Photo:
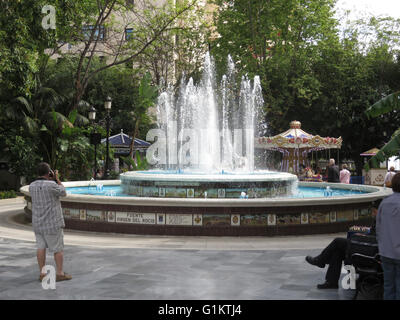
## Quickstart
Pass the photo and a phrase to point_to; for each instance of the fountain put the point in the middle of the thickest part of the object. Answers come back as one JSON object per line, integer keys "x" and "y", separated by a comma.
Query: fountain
{"x": 205, "y": 181}
{"x": 205, "y": 143}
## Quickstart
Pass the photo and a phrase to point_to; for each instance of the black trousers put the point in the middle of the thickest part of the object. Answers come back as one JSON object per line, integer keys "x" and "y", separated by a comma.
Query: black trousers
{"x": 333, "y": 255}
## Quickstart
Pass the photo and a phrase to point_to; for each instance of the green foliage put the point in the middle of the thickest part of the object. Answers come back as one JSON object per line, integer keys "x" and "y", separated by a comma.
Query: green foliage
{"x": 281, "y": 41}
{"x": 309, "y": 73}
{"x": 147, "y": 93}
{"x": 120, "y": 82}
{"x": 385, "y": 105}
{"x": 23, "y": 40}
{"x": 22, "y": 155}
{"x": 147, "y": 98}
{"x": 73, "y": 152}
{"x": 7, "y": 194}
{"x": 136, "y": 164}
{"x": 185, "y": 42}
{"x": 392, "y": 148}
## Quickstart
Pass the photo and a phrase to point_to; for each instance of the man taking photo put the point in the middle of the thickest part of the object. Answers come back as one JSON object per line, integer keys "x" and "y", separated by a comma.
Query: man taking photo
{"x": 47, "y": 218}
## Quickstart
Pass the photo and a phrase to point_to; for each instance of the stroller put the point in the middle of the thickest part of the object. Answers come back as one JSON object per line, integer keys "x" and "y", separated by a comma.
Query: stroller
{"x": 363, "y": 254}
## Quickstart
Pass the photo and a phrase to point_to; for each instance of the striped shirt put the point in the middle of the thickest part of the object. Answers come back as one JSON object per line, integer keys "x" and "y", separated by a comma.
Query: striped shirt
{"x": 47, "y": 217}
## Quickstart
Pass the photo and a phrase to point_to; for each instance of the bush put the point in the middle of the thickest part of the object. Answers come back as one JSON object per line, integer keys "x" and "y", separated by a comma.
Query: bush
{"x": 7, "y": 194}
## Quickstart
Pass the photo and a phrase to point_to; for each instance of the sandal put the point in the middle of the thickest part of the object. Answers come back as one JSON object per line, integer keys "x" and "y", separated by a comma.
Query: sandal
{"x": 41, "y": 277}
{"x": 63, "y": 277}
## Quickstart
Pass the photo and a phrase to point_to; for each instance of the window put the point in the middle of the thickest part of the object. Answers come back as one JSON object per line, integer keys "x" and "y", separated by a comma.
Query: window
{"x": 99, "y": 34}
{"x": 128, "y": 33}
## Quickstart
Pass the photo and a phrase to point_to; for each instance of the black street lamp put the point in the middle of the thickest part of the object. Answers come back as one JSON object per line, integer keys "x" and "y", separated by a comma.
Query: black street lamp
{"x": 95, "y": 138}
{"x": 107, "y": 106}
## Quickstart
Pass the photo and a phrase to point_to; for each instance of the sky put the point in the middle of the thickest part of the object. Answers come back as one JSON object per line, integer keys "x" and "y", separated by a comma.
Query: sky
{"x": 371, "y": 7}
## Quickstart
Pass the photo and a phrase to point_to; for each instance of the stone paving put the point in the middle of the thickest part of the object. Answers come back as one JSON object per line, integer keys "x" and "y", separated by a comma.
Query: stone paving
{"x": 164, "y": 268}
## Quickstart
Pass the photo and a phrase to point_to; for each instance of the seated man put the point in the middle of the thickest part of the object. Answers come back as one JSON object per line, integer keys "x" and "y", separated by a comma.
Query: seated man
{"x": 334, "y": 254}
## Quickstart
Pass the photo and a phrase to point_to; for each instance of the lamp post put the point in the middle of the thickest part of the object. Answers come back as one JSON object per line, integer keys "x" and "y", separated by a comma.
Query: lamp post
{"x": 107, "y": 106}
{"x": 94, "y": 138}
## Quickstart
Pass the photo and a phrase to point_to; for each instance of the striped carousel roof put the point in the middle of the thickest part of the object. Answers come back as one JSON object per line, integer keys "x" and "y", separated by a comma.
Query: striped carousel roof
{"x": 296, "y": 138}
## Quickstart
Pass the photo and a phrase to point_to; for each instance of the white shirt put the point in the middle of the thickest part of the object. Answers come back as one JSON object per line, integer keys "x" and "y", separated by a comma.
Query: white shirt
{"x": 388, "y": 177}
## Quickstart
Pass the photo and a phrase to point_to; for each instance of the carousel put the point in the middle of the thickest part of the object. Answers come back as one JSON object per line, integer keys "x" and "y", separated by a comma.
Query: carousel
{"x": 295, "y": 145}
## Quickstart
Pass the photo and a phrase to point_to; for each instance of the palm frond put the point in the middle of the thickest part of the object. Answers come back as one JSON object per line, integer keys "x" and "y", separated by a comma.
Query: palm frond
{"x": 30, "y": 125}
{"x": 12, "y": 113}
{"x": 83, "y": 105}
{"x": 57, "y": 120}
{"x": 49, "y": 93}
{"x": 24, "y": 102}
{"x": 385, "y": 105}
{"x": 390, "y": 149}
{"x": 72, "y": 116}
{"x": 81, "y": 120}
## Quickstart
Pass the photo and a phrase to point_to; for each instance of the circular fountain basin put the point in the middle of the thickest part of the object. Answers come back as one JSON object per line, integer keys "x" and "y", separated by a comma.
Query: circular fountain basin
{"x": 173, "y": 184}
{"x": 217, "y": 216}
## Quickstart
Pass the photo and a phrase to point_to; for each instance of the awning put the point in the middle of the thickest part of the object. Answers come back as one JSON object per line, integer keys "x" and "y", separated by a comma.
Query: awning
{"x": 370, "y": 153}
{"x": 122, "y": 140}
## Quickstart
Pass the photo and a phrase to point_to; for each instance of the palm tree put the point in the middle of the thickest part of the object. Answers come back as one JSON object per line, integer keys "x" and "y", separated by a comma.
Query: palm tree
{"x": 391, "y": 103}
{"x": 41, "y": 116}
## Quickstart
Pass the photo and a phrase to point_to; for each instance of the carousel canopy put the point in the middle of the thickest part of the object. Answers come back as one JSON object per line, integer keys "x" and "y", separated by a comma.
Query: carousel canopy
{"x": 295, "y": 138}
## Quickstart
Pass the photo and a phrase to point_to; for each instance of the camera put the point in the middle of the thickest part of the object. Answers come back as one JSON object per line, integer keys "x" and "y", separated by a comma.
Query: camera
{"x": 51, "y": 174}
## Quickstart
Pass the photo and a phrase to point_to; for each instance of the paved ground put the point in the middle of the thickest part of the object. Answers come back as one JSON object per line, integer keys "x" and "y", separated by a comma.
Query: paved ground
{"x": 163, "y": 268}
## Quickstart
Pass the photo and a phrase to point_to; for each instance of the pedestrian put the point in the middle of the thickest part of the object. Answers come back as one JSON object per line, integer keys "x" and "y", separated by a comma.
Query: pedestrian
{"x": 47, "y": 219}
{"x": 334, "y": 255}
{"x": 388, "y": 235}
{"x": 344, "y": 174}
{"x": 388, "y": 178}
{"x": 333, "y": 171}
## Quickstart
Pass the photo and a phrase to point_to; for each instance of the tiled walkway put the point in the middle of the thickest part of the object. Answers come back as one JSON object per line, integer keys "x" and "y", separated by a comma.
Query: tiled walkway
{"x": 150, "y": 267}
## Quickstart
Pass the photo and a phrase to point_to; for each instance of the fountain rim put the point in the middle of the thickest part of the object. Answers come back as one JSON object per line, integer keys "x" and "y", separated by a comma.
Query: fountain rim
{"x": 374, "y": 193}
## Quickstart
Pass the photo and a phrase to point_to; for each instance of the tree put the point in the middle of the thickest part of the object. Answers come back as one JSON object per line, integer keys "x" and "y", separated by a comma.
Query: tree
{"x": 179, "y": 49}
{"x": 148, "y": 21}
{"x": 310, "y": 73}
{"x": 18, "y": 50}
{"x": 280, "y": 41}
{"x": 22, "y": 155}
{"x": 25, "y": 46}
{"x": 147, "y": 98}
{"x": 40, "y": 118}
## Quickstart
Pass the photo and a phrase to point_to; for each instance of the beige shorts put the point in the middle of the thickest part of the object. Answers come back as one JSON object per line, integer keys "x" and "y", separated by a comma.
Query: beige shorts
{"x": 54, "y": 242}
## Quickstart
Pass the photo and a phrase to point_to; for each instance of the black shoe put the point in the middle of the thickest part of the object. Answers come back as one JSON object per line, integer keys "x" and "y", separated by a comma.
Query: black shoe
{"x": 315, "y": 262}
{"x": 327, "y": 285}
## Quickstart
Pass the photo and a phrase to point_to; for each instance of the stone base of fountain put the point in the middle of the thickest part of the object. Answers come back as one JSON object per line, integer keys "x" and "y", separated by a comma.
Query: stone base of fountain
{"x": 217, "y": 216}
{"x": 258, "y": 184}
